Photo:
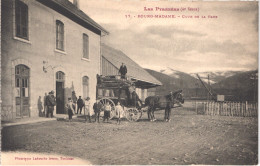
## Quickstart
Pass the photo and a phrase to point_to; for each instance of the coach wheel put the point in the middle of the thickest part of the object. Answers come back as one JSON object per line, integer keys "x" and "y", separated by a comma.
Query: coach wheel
{"x": 103, "y": 101}
{"x": 133, "y": 114}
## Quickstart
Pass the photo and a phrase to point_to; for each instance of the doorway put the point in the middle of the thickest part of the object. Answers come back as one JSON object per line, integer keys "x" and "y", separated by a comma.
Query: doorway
{"x": 22, "y": 87}
{"x": 60, "y": 97}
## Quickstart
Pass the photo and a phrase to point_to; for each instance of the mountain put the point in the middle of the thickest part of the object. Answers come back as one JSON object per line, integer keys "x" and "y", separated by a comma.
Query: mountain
{"x": 235, "y": 85}
{"x": 216, "y": 76}
{"x": 176, "y": 80}
{"x": 241, "y": 86}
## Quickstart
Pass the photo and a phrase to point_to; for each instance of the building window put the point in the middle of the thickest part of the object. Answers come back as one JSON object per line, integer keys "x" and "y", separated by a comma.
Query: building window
{"x": 59, "y": 35}
{"x": 60, "y": 76}
{"x": 21, "y": 19}
{"x": 85, "y": 84}
{"x": 85, "y": 46}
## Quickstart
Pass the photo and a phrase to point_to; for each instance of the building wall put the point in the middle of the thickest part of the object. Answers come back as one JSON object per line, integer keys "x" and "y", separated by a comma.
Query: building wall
{"x": 108, "y": 68}
{"x": 41, "y": 47}
{"x": 0, "y": 56}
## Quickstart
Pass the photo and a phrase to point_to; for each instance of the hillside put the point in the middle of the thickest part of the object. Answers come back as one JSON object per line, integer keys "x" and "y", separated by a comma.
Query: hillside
{"x": 235, "y": 85}
{"x": 215, "y": 76}
{"x": 242, "y": 86}
{"x": 175, "y": 81}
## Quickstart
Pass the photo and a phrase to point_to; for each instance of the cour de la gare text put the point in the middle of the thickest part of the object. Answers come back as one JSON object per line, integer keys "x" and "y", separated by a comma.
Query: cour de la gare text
{"x": 172, "y": 9}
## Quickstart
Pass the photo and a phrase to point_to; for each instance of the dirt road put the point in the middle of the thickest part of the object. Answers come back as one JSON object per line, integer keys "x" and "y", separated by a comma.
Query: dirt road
{"x": 187, "y": 139}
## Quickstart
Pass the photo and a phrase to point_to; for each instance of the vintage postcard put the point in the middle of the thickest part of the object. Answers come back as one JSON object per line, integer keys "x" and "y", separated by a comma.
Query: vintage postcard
{"x": 129, "y": 82}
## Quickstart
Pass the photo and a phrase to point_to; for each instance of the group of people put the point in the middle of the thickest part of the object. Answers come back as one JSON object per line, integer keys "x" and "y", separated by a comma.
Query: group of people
{"x": 49, "y": 103}
{"x": 79, "y": 104}
{"x": 98, "y": 107}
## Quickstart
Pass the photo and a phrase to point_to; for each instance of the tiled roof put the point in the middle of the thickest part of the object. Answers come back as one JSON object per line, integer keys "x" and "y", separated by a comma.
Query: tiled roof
{"x": 69, "y": 7}
{"x": 117, "y": 57}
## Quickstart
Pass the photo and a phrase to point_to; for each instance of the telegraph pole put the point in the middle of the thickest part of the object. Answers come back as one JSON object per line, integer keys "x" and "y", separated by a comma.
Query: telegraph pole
{"x": 208, "y": 96}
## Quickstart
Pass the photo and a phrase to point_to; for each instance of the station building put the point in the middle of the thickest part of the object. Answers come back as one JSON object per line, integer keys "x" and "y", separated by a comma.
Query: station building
{"x": 46, "y": 45}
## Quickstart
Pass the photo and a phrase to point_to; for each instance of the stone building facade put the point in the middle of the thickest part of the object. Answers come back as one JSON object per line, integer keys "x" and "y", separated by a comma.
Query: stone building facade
{"x": 46, "y": 45}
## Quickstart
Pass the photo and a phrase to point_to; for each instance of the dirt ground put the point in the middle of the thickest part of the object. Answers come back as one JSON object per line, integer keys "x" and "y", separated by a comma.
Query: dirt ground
{"x": 187, "y": 139}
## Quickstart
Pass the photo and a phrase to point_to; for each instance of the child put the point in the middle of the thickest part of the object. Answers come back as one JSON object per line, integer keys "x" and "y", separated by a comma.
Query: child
{"x": 107, "y": 110}
{"x": 70, "y": 109}
{"x": 119, "y": 112}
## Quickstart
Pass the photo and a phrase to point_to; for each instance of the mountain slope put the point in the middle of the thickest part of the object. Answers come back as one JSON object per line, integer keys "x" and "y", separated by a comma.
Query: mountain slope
{"x": 175, "y": 81}
{"x": 242, "y": 86}
{"x": 216, "y": 76}
{"x": 238, "y": 86}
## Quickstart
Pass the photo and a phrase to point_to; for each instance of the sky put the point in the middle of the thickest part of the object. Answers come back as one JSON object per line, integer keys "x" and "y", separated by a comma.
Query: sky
{"x": 226, "y": 39}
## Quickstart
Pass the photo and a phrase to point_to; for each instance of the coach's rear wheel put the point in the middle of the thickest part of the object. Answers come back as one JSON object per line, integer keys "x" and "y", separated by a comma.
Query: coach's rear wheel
{"x": 103, "y": 101}
{"x": 133, "y": 114}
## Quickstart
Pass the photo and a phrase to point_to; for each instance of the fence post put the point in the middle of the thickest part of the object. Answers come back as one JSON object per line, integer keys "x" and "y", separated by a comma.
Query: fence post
{"x": 196, "y": 107}
{"x": 249, "y": 108}
{"x": 212, "y": 111}
{"x": 242, "y": 108}
{"x": 204, "y": 110}
{"x": 246, "y": 109}
{"x": 214, "y": 108}
{"x": 219, "y": 108}
{"x": 232, "y": 109}
{"x": 256, "y": 105}
{"x": 238, "y": 110}
{"x": 224, "y": 108}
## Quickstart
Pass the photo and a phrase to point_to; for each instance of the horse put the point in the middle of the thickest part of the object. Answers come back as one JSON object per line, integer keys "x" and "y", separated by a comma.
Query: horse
{"x": 163, "y": 102}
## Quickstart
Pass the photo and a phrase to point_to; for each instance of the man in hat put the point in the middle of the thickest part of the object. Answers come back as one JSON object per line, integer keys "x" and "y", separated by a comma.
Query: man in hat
{"x": 169, "y": 106}
{"x": 50, "y": 102}
{"x": 80, "y": 104}
{"x": 123, "y": 70}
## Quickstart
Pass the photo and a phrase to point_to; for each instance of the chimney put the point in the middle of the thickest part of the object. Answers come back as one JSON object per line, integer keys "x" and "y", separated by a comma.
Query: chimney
{"x": 76, "y": 3}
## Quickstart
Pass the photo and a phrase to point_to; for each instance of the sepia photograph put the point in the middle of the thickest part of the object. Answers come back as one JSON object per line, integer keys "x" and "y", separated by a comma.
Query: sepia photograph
{"x": 129, "y": 82}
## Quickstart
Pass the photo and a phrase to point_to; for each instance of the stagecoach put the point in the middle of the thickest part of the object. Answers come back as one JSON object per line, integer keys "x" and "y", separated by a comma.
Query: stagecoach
{"x": 111, "y": 89}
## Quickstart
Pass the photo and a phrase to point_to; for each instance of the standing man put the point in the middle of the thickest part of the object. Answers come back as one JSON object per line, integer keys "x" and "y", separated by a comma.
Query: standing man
{"x": 169, "y": 106}
{"x": 123, "y": 71}
{"x": 50, "y": 102}
{"x": 97, "y": 107}
{"x": 45, "y": 105}
{"x": 74, "y": 99}
{"x": 80, "y": 104}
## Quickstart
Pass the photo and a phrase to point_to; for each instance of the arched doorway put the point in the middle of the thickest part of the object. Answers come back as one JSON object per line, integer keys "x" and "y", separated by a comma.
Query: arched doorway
{"x": 85, "y": 85}
{"x": 22, "y": 89}
{"x": 60, "y": 98}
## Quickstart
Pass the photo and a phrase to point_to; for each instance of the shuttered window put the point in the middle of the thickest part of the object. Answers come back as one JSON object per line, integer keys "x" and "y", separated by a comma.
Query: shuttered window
{"x": 21, "y": 19}
{"x": 85, "y": 46}
{"x": 59, "y": 35}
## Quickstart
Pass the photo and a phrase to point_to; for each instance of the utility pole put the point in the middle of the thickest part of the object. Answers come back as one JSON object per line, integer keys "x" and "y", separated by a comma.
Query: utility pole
{"x": 209, "y": 89}
{"x": 254, "y": 78}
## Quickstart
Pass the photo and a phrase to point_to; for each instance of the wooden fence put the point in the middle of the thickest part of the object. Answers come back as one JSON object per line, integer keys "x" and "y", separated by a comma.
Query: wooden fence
{"x": 242, "y": 109}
